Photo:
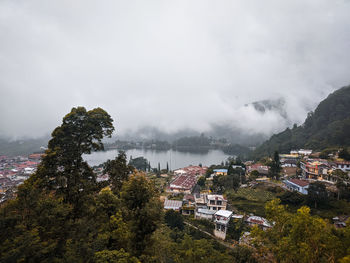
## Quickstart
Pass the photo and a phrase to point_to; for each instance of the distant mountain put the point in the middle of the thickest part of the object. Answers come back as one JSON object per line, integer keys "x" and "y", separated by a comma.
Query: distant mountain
{"x": 22, "y": 146}
{"x": 327, "y": 126}
{"x": 233, "y": 135}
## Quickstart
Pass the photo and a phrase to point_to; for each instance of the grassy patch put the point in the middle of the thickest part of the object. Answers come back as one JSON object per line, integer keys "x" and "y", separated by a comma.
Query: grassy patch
{"x": 258, "y": 194}
{"x": 251, "y": 200}
{"x": 334, "y": 208}
{"x": 160, "y": 182}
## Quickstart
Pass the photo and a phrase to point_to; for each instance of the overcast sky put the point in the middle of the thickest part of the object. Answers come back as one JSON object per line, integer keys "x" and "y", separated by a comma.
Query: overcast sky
{"x": 170, "y": 64}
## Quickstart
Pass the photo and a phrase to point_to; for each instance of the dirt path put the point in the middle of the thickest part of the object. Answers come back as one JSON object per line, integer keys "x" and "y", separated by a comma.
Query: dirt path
{"x": 225, "y": 244}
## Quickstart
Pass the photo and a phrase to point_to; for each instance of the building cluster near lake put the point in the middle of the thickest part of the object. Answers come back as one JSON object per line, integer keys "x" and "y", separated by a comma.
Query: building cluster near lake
{"x": 186, "y": 179}
{"x": 299, "y": 169}
{"x": 312, "y": 169}
{"x": 207, "y": 206}
{"x": 13, "y": 172}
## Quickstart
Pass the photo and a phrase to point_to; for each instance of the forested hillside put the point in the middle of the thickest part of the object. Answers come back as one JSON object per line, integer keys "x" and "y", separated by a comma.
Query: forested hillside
{"x": 327, "y": 126}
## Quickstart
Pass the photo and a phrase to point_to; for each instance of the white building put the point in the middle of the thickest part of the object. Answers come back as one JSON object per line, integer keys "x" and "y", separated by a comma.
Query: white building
{"x": 216, "y": 202}
{"x": 203, "y": 213}
{"x": 29, "y": 170}
{"x": 344, "y": 166}
{"x": 297, "y": 185}
{"x": 305, "y": 152}
{"x": 221, "y": 220}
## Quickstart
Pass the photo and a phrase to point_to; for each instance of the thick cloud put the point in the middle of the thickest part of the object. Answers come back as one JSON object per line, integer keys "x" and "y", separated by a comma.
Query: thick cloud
{"x": 170, "y": 64}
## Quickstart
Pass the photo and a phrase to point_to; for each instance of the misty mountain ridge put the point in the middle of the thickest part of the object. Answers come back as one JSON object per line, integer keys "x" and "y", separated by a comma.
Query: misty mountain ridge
{"x": 229, "y": 131}
{"x": 327, "y": 126}
{"x": 218, "y": 131}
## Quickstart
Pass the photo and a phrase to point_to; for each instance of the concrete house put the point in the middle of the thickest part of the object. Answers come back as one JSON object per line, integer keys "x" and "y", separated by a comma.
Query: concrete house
{"x": 297, "y": 185}
{"x": 202, "y": 213}
{"x": 315, "y": 169}
{"x": 207, "y": 205}
{"x": 258, "y": 221}
{"x": 221, "y": 220}
{"x": 172, "y": 204}
{"x": 216, "y": 202}
{"x": 188, "y": 206}
{"x": 342, "y": 165}
{"x": 220, "y": 172}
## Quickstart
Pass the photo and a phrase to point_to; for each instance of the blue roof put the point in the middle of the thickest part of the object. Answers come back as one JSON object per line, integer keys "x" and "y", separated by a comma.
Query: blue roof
{"x": 220, "y": 170}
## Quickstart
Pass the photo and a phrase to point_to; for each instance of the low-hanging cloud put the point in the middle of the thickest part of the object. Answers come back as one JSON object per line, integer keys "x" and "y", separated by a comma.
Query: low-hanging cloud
{"x": 170, "y": 64}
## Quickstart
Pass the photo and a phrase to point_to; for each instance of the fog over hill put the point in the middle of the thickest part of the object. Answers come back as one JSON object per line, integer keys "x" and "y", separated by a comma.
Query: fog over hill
{"x": 231, "y": 134}
{"x": 327, "y": 126}
{"x": 176, "y": 66}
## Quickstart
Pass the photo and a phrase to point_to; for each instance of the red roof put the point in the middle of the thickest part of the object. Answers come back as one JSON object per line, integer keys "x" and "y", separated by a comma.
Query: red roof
{"x": 195, "y": 170}
{"x": 35, "y": 156}
{"x": 343, "y": 162}
{"x": 301, "y": 183}
{"x": 184, "y": 181}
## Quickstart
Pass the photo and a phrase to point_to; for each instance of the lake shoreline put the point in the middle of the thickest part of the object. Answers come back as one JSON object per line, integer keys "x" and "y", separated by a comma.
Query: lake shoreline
{"x": 175, "y": 159}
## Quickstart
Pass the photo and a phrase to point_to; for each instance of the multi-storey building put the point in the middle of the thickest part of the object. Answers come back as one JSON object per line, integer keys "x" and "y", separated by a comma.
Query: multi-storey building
{"x": 207, "y": 205}
{"x": 342, "y": 165}
{"x": 315, "y": 169}
{"x": 221, "y": 220}
{"x": 216, "y": 202}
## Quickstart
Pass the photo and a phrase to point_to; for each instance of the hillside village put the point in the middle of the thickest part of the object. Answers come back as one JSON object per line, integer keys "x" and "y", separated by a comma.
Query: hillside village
{"x": 182, "y": 192}
{"x": 298, "y": 170}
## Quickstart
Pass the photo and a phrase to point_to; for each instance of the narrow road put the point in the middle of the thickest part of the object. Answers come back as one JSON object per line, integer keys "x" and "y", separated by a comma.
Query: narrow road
{"x": 225, "y": 244}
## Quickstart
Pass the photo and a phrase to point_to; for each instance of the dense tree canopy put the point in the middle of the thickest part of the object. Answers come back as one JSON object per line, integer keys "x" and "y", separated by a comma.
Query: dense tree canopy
{"x": 140, "y": 163}
{"x": 61, "y": 214}
{"x": 275, "y": 166}
{"x": 299, "y": 237}
{"x": 118, "y": 171}
{"x": 63, "y": 168}
{"x": 317, "y": 194}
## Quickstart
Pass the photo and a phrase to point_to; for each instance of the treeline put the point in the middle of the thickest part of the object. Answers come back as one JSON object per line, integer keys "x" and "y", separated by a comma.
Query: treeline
{"x": 327, "y": 126}
{"x": 193, "y": 143}
{"x": 199, "y": 143}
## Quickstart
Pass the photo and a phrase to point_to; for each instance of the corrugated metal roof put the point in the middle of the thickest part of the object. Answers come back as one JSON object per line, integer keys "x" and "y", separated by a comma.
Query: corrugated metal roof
{"x": 172, "y": 204}
{"x": 206, "y": 211}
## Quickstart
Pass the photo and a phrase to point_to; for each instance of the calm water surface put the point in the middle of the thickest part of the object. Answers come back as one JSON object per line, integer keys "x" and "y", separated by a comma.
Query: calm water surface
{"x": 175, "y": 159}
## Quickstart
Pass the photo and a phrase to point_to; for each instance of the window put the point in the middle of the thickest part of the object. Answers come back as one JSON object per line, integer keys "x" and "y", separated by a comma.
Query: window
{"x": 214, "y": 208}
{"x": 219, "y": 202}
{"x": 212, "y": 202}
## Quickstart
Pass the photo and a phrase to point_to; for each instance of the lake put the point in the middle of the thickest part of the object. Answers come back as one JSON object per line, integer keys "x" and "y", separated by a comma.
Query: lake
{"x": 175, "y": 159}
